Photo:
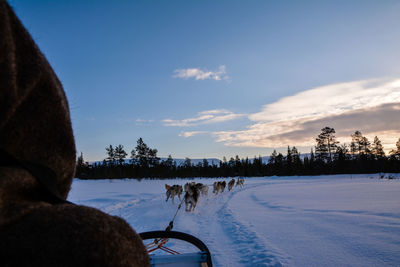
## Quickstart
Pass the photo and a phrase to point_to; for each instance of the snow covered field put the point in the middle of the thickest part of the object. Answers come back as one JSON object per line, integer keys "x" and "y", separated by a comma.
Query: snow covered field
{"x": 337, "y": 220}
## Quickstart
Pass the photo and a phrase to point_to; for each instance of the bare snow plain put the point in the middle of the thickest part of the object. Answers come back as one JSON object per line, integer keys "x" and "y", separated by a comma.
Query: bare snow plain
{"x": 338, "y": 220}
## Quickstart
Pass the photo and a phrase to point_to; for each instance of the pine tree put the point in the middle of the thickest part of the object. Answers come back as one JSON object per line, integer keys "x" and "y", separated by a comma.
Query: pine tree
{"x": 377, "y": 148}
{"x": 231, "y": 162}
{"x": 152, "y": 155}
{"x": 396, "y": 152}
{"x": 289, "y": 160}
{"x": 80, "y": 166}
{"x": 272, "y": 158}
{"x": 342, "y": 153}
{"x": 205, "y": 163}
{"x": 187, "y": 163}
{"x": 120, "y": 154}
{"x": 142, "y": 151}
{"x": 356, "y": 142}
{"x": 311, "y": 164}
{"x": 80, "y": 162}
{"x": 312, "y": 157}
{"x": 169, "y": 162}
{"x": 237, "y": 161}
{"x": 295, "y": 153}
{"x": 110, "y": 154}
{"x": 326, "y": 144}
{"x": 365, "y": 146}
{"x": 353, "y": 148}
{"x": 146, "y": 156}
{"x": 279, "y": 164}
{"x": 296, "y": 159}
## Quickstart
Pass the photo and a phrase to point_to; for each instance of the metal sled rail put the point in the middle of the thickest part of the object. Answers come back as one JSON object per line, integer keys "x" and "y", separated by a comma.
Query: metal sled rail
{"x": 201, "y": 258}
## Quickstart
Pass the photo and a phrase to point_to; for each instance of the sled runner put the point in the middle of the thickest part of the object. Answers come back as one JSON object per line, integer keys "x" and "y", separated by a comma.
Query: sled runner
{"x": 174, "y": 258}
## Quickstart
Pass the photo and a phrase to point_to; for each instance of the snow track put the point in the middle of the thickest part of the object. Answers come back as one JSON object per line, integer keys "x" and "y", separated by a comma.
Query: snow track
{"x": 297, "y": 221}
{"x": 226, "y": 236}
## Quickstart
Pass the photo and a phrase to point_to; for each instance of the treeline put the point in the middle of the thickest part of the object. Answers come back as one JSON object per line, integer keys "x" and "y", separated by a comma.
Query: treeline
{"x": 329, "y": 157}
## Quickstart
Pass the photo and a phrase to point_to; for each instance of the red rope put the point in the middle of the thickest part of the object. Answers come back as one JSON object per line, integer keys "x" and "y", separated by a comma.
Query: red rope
{"x": 159, "y": 244}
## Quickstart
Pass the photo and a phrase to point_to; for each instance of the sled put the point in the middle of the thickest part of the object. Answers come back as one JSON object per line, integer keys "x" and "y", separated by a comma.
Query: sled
{"x": 174, "y": 258}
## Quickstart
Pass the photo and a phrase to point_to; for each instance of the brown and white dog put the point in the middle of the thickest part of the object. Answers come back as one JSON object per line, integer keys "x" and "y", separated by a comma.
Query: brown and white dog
{"x": 240, "y": 182}
{"x": 172, "y": 191}
{"x": 191, "y": 197}
{"x": 231, "y": 184}
{"x": 216, "y": 187}
{"x": 219, "y": 187}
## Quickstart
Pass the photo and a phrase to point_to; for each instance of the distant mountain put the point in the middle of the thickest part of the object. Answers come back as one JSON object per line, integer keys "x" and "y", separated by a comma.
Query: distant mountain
{"x": 179, "y": 162}
{"x": 211, "y": 161}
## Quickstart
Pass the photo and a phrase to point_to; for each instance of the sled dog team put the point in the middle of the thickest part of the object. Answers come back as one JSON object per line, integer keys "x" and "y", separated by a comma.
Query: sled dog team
{"x": 193, "y": 191}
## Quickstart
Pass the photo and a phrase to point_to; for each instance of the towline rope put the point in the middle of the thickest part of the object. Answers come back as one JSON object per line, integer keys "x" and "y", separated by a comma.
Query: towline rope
{"x": 171, "y": 223}
{"x": 159, "y": 243}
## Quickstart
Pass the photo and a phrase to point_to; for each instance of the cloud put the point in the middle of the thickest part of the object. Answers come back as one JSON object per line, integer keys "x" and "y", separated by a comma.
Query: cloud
{"x": 371, "y": 106}
{"x": 199, "y": 74}
{"x": 204, "y": 117}
{"x": 192, "y": 133}
{"x": 331, "y": 99}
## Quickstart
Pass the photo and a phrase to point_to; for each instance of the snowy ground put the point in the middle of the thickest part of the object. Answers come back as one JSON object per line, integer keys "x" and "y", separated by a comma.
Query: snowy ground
{"x": 338, "y": 220}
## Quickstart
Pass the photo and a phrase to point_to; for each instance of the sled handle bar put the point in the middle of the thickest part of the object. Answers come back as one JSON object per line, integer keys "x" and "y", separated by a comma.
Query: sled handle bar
{"x": 180, "y": 236}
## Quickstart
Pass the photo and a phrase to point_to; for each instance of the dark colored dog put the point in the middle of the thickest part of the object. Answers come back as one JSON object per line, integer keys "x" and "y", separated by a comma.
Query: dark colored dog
{"x": 223, "y": 185}
{"x": 191, "y": 197}
{"x": 187, "y": 185}
{"x": 231, "y": 184}
{"x": 37, "y": 152}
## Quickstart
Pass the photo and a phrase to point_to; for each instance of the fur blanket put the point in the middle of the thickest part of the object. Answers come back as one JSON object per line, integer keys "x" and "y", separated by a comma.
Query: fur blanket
{"x": 35, "y": 127}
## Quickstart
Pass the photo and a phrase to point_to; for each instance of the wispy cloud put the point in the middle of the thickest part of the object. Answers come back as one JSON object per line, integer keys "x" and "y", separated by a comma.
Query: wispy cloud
{"x": 204, "y": 117}
{"x": 372, "y": 106}
{"x": 199, "y": 74}
{"x": 191, "y": 133}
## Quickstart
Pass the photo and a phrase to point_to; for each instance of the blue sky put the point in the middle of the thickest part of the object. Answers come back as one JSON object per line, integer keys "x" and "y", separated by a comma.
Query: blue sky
{"x": 222, "y": 78}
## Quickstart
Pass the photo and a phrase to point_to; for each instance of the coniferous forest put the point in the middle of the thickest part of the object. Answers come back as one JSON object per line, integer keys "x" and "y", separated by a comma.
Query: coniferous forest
{"x": 328, "y": 157}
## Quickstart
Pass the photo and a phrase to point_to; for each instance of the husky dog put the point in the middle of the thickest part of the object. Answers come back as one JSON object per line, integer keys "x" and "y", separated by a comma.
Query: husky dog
{"x": 223, "y": 185}
{"x": 187, "y": 185}
{"x": 198, "y": 186}
{"x": 191, "y": 197}
{"x": 216, "y": 187}
{"x": 219, "y": 186}
{"x": 240, "y": 181}
{"x": 172, "y": 191}
{"x": 202, "y": 188}
{"x": 231, "y": 184}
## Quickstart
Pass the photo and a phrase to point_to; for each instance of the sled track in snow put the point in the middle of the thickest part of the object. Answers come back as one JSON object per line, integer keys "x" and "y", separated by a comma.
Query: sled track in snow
{"x": 251, "y": 250}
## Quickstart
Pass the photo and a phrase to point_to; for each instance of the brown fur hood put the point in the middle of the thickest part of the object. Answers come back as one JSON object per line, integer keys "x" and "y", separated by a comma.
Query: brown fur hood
{"x": 35, "y": 127}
